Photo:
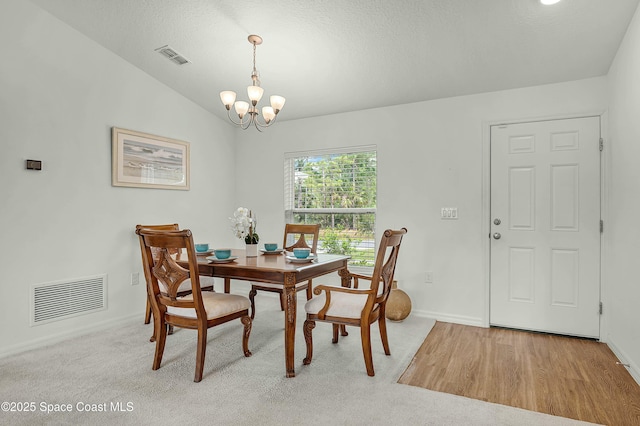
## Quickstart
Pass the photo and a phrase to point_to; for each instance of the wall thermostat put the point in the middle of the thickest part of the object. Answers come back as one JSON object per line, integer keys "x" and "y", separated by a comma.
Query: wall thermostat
{"x": 34, "y": 165}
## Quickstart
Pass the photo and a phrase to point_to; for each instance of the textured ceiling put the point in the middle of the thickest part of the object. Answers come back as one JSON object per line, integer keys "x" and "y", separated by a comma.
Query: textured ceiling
{"x": 331, "y": 56}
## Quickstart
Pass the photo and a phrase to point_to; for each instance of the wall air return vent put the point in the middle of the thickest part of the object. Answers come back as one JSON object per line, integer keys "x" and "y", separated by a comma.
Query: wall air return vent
{"x": 172, "y": 55}
{"x": 60, "y": 300}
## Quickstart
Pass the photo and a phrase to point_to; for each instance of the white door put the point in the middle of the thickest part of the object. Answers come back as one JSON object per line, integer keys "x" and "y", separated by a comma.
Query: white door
{"x": 545, "y": 226}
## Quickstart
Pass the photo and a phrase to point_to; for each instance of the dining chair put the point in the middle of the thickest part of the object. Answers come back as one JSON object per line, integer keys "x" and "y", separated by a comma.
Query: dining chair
{"x": 355, "y": 306}
{"x": 198, "y": 310}
{"x": 206, "y": 282}
{"x": 295, "y": 235}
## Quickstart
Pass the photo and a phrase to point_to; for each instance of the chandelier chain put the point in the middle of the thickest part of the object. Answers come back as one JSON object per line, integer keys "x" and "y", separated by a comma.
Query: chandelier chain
{"x": 255, "y": 76}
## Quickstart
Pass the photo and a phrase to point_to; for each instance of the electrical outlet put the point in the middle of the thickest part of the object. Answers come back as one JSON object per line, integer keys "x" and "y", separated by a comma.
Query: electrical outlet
{"x": 428, "y": 277}
{"x": 135, "y": 278}
{"x": 449, "y": 213}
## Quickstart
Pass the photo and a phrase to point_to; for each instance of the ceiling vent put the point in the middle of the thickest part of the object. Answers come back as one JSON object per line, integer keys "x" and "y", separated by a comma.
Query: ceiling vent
{"x": 172, "y": 55}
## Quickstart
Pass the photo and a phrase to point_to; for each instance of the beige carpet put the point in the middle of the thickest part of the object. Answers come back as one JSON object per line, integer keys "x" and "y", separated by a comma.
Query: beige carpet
{"x": 112, "y": 372}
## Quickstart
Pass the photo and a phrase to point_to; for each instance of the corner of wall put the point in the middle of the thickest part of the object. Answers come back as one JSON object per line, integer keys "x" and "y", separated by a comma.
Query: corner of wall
{"x": 631, "y": 367}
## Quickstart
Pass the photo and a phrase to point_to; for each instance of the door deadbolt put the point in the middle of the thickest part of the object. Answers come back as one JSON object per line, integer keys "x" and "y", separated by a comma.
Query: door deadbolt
{"x": 497, "y": 235}
{"x": 497, "y": 221}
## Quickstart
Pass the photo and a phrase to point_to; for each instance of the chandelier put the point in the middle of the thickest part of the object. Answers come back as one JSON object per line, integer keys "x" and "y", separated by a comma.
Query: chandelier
{"x": 248, "y": 111}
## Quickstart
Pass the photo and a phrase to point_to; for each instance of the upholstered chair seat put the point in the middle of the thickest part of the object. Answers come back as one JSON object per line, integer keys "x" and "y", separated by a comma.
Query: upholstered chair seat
{"x": 216, "y": 305}
{"x": 341, "y": 305}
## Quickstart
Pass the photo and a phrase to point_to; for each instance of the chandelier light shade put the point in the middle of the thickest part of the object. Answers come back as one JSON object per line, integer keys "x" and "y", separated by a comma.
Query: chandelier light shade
{"x": 248, "y": 111}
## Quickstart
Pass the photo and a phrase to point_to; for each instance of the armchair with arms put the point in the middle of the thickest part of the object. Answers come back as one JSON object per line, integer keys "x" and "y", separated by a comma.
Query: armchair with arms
{"x": 358, "y": 307}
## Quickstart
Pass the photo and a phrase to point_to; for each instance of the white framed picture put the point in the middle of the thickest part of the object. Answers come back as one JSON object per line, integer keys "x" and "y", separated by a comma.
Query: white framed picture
{"x": 142, "y": 160}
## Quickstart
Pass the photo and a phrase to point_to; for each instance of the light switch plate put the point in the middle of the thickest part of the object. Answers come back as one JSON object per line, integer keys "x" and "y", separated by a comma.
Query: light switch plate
{"x": 449, "y": 213}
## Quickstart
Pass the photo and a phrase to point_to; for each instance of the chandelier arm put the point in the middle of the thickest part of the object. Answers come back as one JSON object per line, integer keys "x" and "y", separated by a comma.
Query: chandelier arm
{"x": 232, "y": 120}
{"x": 257, "y": 125}
{"x": 246, "y": 126}
{"x": 241, "y": 123}
{"x": 264, "y": 125}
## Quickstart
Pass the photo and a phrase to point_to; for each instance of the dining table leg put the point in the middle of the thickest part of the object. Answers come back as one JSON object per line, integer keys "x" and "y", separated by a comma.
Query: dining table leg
{"x": 227, "y": 285}
{"x": 290, "y": 313}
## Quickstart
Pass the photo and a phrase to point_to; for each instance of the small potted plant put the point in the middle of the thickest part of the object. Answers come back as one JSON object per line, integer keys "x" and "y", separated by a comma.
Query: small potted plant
{"x": 243, "y": 225}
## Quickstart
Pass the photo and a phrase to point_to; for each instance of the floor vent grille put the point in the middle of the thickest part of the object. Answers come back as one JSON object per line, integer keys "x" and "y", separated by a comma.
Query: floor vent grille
{"x": 59, "y": 300}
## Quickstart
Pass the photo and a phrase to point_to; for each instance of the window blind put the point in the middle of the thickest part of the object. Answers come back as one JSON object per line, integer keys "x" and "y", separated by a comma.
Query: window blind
{"x": 338, "y": 189}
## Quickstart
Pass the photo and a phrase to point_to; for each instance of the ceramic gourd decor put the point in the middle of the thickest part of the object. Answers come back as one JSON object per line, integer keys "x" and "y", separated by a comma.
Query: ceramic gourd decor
{"x": 398, "y": 304}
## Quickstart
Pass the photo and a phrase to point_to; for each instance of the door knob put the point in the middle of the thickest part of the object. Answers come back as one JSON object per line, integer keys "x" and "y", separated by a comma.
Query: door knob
{"x": 497, "y": 235}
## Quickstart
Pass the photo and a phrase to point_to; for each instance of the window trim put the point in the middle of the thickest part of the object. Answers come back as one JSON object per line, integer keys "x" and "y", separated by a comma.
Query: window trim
{"x": 336, "y": 210}
{"x": 330, "y": 151}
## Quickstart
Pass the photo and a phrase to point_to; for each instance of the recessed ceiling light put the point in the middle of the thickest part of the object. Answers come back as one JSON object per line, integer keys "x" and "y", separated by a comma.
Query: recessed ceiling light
{"x": 548, "y": 2}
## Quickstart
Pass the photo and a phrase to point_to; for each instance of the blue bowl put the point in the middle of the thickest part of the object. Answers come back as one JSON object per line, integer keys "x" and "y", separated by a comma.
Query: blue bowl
{"x": 202, "y": 247}
{"x": 270, "y": 246}
{"x": 301, "y": 253}
{"x": 222, "y": 253}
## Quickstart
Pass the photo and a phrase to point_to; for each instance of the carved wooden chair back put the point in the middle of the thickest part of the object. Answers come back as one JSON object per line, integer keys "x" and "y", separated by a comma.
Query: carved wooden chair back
{"x": 303, "y": 232}
{"x": 385, "y": 265}
{"x": 163, "y": 273}
{"x": 197, "y": 310}
{"x": 207, "y": 282}
{"x": 167, "y": 227}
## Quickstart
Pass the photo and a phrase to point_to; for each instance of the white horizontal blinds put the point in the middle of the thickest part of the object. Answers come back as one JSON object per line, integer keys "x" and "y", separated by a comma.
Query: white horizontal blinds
{"x": 326, "y": 181}
{"x": 336, "y": 188}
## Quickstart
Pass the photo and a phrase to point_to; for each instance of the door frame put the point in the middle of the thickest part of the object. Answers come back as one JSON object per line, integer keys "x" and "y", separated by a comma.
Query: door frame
{"x": 605, "y": 168}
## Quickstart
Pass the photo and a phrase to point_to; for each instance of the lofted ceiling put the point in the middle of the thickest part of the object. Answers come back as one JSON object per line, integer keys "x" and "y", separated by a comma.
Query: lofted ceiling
{"x": 332, "y": 56}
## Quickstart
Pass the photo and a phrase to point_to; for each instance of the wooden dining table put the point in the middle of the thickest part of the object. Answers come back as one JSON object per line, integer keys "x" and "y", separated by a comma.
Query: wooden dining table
{"x": 275, "y": 269}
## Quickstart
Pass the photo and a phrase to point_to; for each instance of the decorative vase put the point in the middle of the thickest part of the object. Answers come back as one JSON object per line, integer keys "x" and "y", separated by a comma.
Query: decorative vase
{"x": 398, "y": 304}
{"x": 251, "y": 250}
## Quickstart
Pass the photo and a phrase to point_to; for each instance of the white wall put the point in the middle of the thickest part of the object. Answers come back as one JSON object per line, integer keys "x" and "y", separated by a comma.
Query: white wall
{"x": 67, "y": 221}
{"x": 623, "y": 226}
{"x": 61, "y": 94}
{"x": 430, "y": 155}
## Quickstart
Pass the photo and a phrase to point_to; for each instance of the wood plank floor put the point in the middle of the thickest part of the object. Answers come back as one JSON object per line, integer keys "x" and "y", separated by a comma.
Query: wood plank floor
{"x": 562, "y": 376}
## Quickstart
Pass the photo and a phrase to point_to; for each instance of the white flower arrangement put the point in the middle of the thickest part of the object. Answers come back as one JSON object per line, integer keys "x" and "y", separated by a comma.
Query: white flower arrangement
{"x": 243, "y": 225}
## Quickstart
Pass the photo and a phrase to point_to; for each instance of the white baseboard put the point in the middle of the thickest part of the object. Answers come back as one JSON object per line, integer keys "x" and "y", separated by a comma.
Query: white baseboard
{"x": 38, "y": 343}
{"x": 633, "y": 368}
{"x": 456, "y": 319}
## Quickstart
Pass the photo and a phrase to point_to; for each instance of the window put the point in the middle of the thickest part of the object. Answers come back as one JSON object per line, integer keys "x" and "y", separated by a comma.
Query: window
{"x": 337, "y": 189}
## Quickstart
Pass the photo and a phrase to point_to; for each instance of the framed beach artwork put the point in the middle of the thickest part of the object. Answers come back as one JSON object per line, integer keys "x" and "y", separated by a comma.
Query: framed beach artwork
{"x": 142, "y": 160}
